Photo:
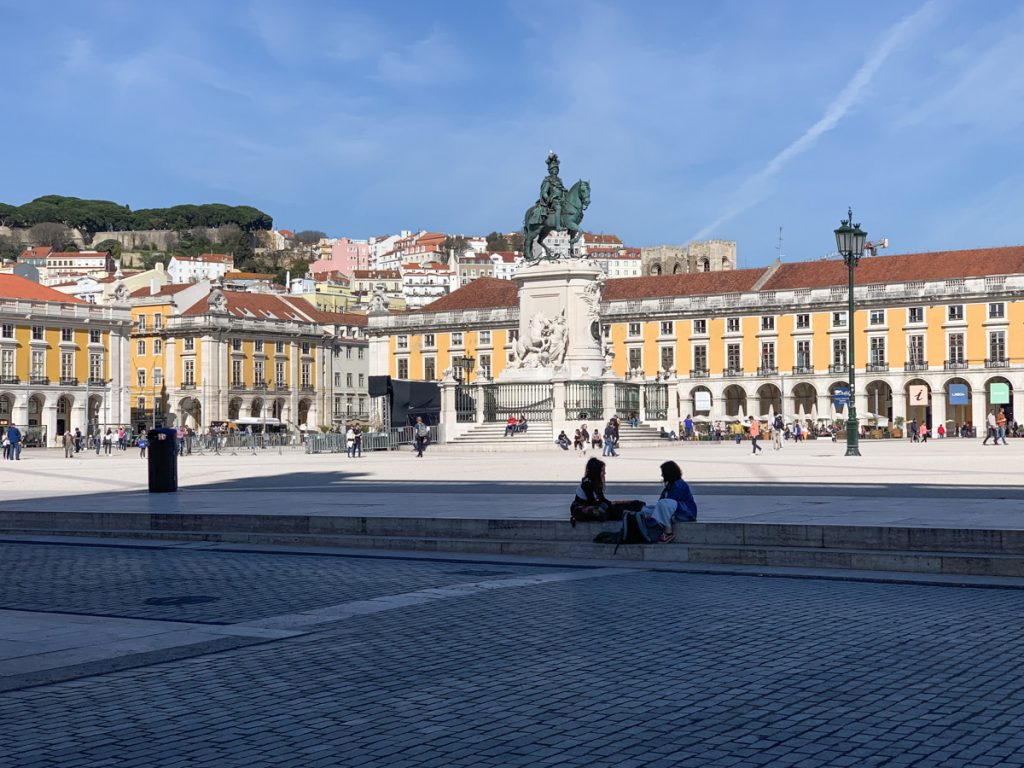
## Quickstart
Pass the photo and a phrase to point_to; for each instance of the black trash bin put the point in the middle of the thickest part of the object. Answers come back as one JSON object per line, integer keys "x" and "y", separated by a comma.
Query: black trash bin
{"x": 163, "y": 460}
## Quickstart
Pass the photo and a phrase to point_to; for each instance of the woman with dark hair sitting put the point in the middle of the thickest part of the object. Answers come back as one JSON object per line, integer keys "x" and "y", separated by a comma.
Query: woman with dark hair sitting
{"x": 676, "y": 502}
{"x": 590, "y": 505}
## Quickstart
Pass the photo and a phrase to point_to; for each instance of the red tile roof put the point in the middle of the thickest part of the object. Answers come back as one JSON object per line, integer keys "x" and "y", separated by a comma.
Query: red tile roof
{"x": 377, "y": 274}
{"x": 342, "y": 318}
{"x": 17, "y": 287}
{"x": 601, "y": 239}
{"x": 483, "y": 293}
{"x": 695, "y": 284}
{"x": 36, "y": 252}
{"x": 260, "y": 306}
{"x": 165, "y": 290}
{"x": 487, "y": 292}
{"x": 910, "y": 267}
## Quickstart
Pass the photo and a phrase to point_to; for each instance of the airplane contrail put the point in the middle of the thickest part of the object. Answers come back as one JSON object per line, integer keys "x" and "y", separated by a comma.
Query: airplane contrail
{"x": 753, "y": 189}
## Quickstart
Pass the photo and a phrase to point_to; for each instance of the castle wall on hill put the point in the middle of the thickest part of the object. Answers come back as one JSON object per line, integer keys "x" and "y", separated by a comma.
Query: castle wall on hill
{"x": 698, "y": 256}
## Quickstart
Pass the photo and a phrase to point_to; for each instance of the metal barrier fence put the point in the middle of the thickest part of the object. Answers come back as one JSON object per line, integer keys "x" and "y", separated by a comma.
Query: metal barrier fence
{"x": 656, "y": 402}
{"x": 239, "y": 442}
{"x": 627, "y": 399}
{"x": 465, "y": 404}
{"x": 584, "y": 400}
{"x": 534, "y": 401}
{"x": 335, "y": 442}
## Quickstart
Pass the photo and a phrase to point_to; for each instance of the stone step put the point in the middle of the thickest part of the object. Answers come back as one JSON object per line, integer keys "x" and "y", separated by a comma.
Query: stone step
{"x": 984, "y": 552}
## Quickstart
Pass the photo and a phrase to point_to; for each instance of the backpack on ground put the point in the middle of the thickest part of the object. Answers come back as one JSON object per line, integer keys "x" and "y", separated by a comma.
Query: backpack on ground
{"x": 635, "y": 529}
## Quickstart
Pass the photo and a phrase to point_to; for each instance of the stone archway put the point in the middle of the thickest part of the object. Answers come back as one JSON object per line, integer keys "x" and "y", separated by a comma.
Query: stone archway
{"x": 234, "y": 408}
{"x": 92, "y": 418}
{"x": 706, "y": 399}
{"x": 990, "y": 401}
{"x": 191, "y": 413}
{"x": 958, "y": 412}
{"x": 805, "y": 401}
{"x": 834, "y": 387}
{"x": 35, "y": 410}
{"x": 919, "y": 406}
{"x": 655, "y": 269}
{"x": 6, "y": 408}
{"x": 769, "y": 401}
{"x": 677, "y": 269}
{"x": 879, "y": 397}
{"x": 303, "y": 415}
{"x": 277, "y": 409}
{"x": 63, "y": 423}
{"x": 256, "y": 407}
{"x": 735, "y": 398}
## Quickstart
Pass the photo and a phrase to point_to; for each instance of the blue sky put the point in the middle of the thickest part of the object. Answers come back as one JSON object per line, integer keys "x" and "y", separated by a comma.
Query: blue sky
{"x": 693, "y": 119}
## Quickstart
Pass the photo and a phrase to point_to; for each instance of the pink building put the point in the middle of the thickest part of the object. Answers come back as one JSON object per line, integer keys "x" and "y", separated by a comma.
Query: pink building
{"x": 346, "y": 257}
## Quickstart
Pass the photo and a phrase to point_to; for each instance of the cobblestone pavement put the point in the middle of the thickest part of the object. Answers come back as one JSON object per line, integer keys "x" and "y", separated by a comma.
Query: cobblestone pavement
{"x": 593, "y": 667}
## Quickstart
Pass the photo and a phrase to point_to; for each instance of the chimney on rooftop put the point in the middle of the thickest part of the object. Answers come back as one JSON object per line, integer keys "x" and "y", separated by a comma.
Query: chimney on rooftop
{"x": 154, "y": 287}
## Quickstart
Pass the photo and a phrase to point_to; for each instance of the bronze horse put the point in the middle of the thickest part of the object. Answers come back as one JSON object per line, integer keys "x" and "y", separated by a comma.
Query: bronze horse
{"x": 537, "y": 225}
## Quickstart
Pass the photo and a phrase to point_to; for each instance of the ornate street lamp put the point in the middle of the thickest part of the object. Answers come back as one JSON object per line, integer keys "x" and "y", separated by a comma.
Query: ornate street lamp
{"x": 463, "y": 367}
{"x": 850, "y": 239}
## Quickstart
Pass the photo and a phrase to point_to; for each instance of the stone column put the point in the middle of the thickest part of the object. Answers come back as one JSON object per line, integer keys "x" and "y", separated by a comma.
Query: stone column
{"x": 558, "y": 401}
{"x": 608, "y": 394}
{"x": 673, "y": 414}
{"x": 979, "y": 412}
{"x": 478, "y": 394}
{"x": 78, "y": 415}
{"x": 899, "y": 406}
{"x": 938, "y": 410}
{"x": 48, "y": 419}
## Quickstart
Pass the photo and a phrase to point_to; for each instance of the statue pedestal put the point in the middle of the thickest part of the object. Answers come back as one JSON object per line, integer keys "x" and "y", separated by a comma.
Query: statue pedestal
{"x": 548, "y": 292}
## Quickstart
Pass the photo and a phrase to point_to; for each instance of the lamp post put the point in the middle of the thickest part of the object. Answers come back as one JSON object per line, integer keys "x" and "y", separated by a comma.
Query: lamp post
{"x": 463, "y": 367}
{"x": 850, "y": 239}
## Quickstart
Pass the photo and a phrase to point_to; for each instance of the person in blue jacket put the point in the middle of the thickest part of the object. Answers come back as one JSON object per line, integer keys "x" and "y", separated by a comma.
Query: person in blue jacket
{"x": 14, "y": 436}
{"x": 676, "y": 503}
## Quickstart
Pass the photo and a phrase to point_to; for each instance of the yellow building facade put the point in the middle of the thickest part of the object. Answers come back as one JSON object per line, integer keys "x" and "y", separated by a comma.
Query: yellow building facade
{"x": 62, "y": 362}
{"x": 202, "y": 356}
{"x": 939, "y": 337}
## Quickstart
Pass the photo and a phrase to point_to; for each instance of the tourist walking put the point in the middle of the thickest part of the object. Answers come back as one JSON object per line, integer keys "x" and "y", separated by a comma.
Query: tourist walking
{"x": 108, "y": 441}
{"x": 755, "y": 435}
{"x": 350, "y": 442}
{"x": 143, "y": 444}
{"x": 777, "y": 432}
{"x": 68, "y": 440}
{"x": 1001, "y": 427}
{"x": 609, "y": 440}
{"x": 991, "y": 432}
{"x": 421, "y": 434}
{"x": 357, "y": 448}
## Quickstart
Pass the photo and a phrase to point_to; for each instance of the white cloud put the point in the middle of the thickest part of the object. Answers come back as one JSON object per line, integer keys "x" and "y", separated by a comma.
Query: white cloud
{"x": 755, "y": 187}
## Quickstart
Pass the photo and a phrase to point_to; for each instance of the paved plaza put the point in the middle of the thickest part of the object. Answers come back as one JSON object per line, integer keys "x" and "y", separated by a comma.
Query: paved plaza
{"x": 222, "y": 657}
{"x": 143, "y": 653}
{"x": 947, "y": 483}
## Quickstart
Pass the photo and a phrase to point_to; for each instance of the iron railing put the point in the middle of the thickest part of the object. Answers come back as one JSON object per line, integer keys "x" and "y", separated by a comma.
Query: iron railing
{"x": 534, "y": 401}
{"x": 767, "y": 370}
{"x": 465, "y": 404}
{"x": 915, "y": 365}
{"x": 584, "y": 400}
{"x": 956, "y": 365}
{"x": 839, "y": 368}
{"x": 699, "y": 373}
{"x": 998, "y": 362}
{"x": 656, "y": 401}
{"x": 877, "y": 367}
{"x": 627, "y": 399}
